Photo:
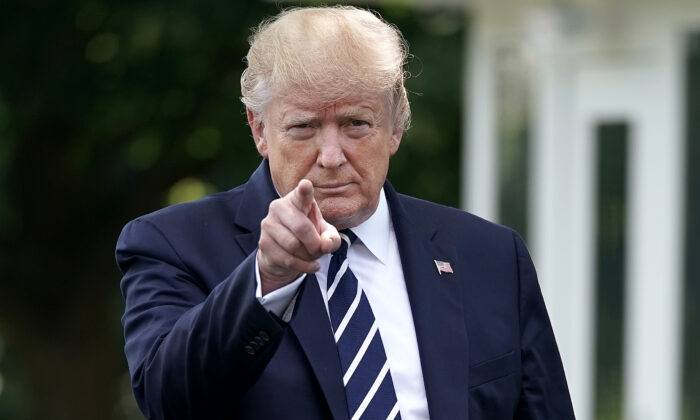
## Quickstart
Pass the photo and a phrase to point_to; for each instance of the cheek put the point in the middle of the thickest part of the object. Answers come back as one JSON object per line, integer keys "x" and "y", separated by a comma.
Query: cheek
{"x": 298, "y": 159}
{"x": 300, "y": 150}
{"x": 373, "y": 170}
{"x": 290, "y": 164}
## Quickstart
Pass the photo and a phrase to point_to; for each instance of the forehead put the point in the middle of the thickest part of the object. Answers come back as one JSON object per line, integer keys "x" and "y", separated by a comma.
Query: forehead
{"x": 308, "y": 104}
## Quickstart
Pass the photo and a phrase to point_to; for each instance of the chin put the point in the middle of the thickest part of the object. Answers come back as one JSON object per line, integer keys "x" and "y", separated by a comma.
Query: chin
{"x": 343, "y": 213}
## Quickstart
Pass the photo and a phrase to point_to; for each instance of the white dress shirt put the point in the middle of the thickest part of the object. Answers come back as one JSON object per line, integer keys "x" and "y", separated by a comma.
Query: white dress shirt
{"x": 374, "y": 259}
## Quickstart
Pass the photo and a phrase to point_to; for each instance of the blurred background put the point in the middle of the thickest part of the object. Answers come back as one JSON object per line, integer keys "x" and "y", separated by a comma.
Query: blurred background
{"x": 576, "y": 122}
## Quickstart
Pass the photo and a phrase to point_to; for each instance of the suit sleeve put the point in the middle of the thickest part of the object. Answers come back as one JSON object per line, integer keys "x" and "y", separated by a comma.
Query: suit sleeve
{"x": 190, "y": 352}
{"x": 544, "y": 393}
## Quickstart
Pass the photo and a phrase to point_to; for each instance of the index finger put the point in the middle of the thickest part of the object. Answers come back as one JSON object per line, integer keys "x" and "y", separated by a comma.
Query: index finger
{"x": 303, "y": 196}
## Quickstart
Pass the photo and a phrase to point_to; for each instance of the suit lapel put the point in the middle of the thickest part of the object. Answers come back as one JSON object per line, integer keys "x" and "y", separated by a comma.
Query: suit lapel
{"x": 259, "y": 192}
{"x": 438, "y": 314}
{"x": 313, "y": 330}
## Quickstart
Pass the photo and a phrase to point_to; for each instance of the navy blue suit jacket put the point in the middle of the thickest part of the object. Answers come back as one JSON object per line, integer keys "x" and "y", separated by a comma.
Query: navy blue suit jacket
{"x": 200, "y": 345}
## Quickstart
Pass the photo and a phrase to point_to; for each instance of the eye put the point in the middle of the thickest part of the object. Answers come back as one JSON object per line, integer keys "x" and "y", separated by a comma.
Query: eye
{"x": 300, "y": 130}
{"x": 355, "y": 128}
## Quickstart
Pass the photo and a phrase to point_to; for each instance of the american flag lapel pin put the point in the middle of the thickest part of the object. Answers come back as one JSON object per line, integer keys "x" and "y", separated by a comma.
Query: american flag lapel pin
{"x": 443, "y": 267}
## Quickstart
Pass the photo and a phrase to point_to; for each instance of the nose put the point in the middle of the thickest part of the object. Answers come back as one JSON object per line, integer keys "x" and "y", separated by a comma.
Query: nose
{"x": 331, "y": 154}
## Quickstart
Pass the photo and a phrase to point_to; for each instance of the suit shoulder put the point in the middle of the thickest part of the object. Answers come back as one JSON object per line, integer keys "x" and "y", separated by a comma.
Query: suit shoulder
{"x": 214, "y": 207}
{"x": 457, "y": 222}
{"x": 445, "y": 214}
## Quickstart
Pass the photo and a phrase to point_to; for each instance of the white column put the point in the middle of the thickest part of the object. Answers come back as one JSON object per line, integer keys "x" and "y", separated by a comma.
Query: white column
{"x": 580, "y": 210}
{"x": 479, "y": 176}
{"x": 654, "y": 281}
{"x": 561, "y": 220}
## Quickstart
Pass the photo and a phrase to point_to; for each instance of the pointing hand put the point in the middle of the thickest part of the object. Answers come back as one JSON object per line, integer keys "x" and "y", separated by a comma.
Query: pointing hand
{"x": 292, "y": 236}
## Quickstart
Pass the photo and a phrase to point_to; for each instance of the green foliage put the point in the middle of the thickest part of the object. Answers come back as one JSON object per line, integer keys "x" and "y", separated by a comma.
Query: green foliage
{"x": 111, "y": 110}
{"x": 428, "y": 162}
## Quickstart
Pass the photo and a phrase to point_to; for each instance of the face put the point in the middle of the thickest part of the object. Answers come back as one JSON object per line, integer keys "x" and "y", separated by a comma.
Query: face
{"x": 343, "y": 148}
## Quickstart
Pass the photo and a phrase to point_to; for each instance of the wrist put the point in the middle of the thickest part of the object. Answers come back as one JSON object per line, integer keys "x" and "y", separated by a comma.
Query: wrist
{"x": 269, "y": 285}
{"x": 270, "y": 280}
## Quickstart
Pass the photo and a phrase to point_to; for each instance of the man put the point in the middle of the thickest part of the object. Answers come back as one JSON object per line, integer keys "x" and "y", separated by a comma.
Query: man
{"x": 316, "y": 291}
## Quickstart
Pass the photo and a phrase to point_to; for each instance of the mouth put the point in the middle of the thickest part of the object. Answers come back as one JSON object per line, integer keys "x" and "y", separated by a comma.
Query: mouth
{"x": 335, "y": 188}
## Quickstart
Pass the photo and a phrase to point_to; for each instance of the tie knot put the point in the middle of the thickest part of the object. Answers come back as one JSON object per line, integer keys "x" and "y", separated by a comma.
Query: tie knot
{"x": 350, "y": 234}
{"x": 347, "y": 237}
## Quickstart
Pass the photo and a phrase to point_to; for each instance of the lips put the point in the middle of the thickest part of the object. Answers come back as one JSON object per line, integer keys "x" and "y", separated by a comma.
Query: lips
{"x": 332, "y": 188}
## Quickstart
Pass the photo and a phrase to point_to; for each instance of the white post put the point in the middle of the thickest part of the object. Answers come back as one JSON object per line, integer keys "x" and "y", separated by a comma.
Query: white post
{"x": 580, "y": 207}
{"x": 654, "y": 304}
{"x": 479, "y": 176}
{"x": 561, "y": 166}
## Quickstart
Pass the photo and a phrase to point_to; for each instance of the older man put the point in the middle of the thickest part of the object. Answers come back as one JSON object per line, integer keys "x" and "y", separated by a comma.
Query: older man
{"x": 314, "y": 290}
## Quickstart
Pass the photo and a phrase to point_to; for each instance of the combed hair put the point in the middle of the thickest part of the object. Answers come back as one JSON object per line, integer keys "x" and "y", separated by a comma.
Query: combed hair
{"x": 327, "y": 54}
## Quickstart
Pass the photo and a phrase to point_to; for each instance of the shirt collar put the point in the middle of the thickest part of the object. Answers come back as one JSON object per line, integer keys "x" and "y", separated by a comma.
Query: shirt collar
{"x": 374, "y": 232}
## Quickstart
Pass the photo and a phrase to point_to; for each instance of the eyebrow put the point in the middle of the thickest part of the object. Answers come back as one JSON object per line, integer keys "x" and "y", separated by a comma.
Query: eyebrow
{"x": 354, "y": 111}
{"x": 299, "y": 118}
{"x": 308, "y": 116}
{"x": 360, "y": 112}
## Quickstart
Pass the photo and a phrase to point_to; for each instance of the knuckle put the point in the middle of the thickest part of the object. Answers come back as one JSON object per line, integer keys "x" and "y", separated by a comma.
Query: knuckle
{"x": 264, "y": 253}
{"x": 264, "y": 238}
{"x": 291, "y": 243}
{"x": 315, "y": 249}
{"x": 275, "y": 206}
{"x": 300, "y": 226}
{"x": 288, "y": 261}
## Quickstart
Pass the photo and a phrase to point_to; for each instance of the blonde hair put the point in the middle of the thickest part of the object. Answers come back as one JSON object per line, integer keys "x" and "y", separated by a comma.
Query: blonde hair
{"x": 326, "y": 53}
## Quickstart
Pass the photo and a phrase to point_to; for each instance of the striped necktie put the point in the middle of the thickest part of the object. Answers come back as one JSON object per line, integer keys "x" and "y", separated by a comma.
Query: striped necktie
{"x": 366, "y": 376}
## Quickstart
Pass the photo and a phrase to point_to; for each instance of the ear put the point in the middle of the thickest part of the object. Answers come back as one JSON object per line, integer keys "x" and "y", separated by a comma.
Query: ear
{"x": 395, "y": 141}
{"x": 258, "y": 129}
